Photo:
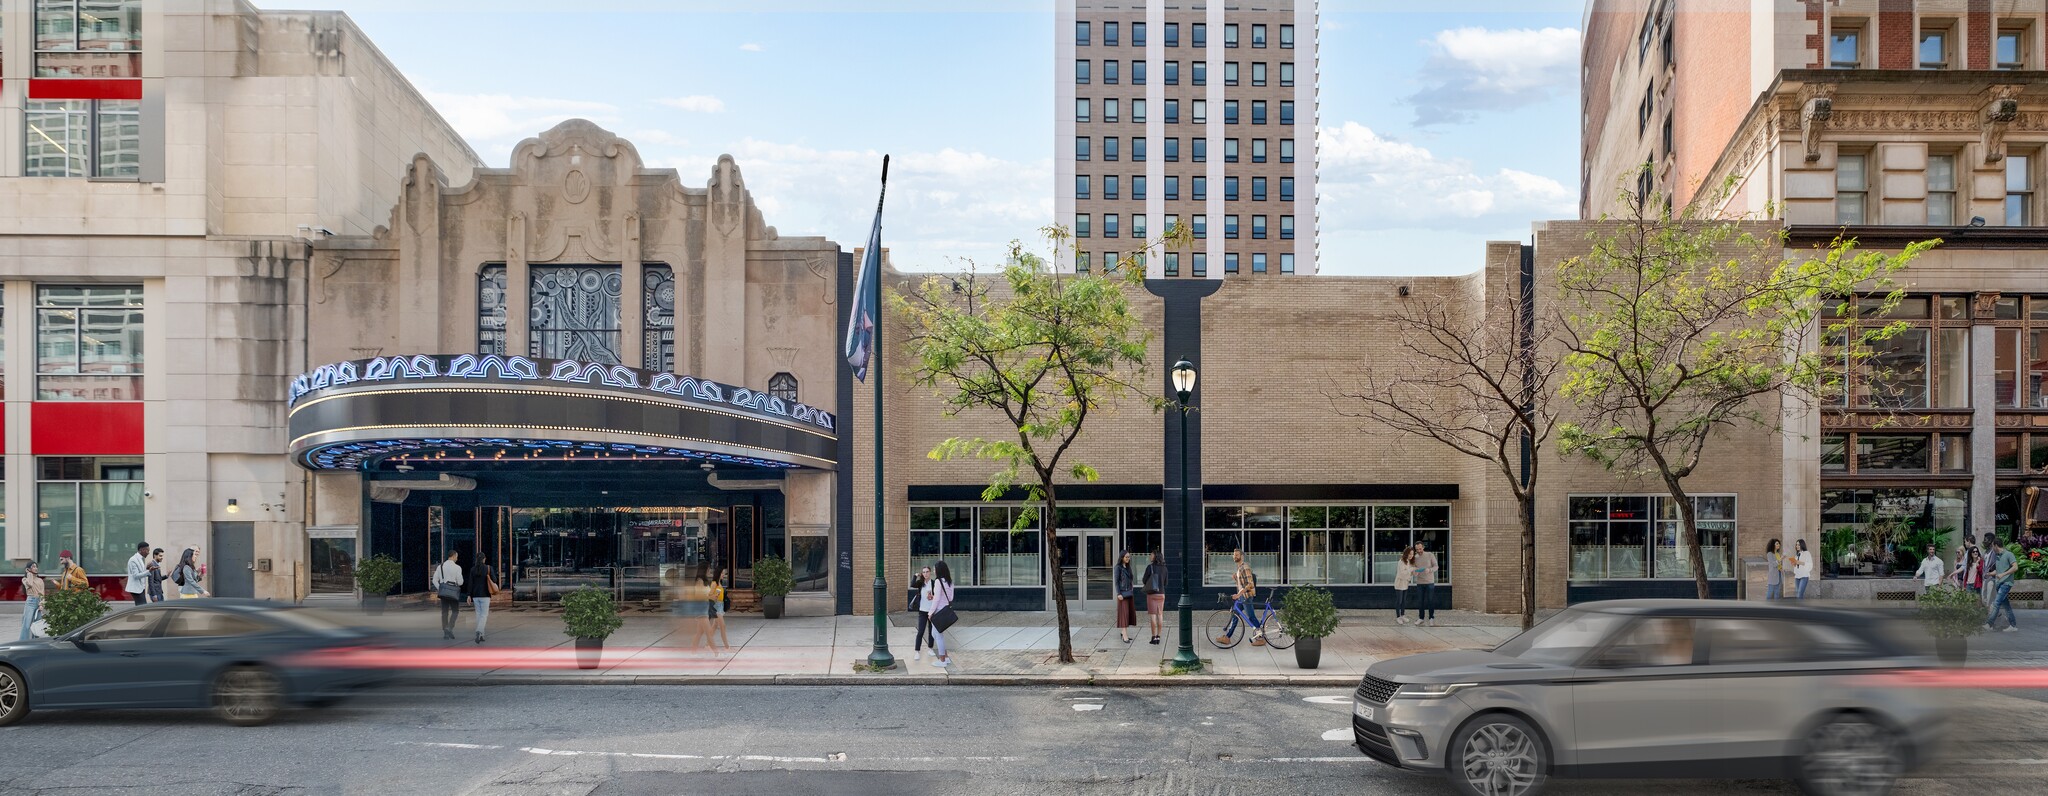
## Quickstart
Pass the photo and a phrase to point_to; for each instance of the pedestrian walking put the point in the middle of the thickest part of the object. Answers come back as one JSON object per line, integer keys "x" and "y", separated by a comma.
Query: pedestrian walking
{"x": 1126, "y": 605}
{"x": 696, "y": 606}
{"x": 1931, "y": 568}
{"x": 1404, "y": 578}
{"x": 157, "y": 575}
{"x": 187, "y": 575}
{"x": 69, "y": 574}
{"x": 1425, "y": 568}
{"x": 1802, "y": 567}
{"x": 1155, "y": 596}
{"x": 138, "y": 574}
{"x": 921, "y": 602}
{"x": 33, "y": 586}
{"x": 943, "y": 615}
{"x": 479, "y": 587}
{"x": 1774, "y": 580}
{"x": 2003, "y": 566}
{"x": 1970, "y": 569}
{"x": 717, "y": 612}
{"x": 447, "y": 582}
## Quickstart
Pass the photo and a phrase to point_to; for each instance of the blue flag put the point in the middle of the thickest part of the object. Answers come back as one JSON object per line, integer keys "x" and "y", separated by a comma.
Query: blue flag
{"x": 861, "y": 315}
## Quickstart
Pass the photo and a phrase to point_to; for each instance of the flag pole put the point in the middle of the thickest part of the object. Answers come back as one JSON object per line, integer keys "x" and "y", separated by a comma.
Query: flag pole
{"x": 880, "y": 657}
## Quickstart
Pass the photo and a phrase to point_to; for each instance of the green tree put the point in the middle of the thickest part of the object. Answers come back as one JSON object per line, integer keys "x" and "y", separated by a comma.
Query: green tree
{"x": 1681, "y": 327}
{"x": 1044, "y": 350}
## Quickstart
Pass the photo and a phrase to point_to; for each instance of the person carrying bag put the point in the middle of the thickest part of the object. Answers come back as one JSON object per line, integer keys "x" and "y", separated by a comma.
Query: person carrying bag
{"x": 943, "y": 615}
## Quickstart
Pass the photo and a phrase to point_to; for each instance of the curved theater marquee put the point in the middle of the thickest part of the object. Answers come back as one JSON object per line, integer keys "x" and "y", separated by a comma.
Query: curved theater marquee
{"x": 350, "y": 415}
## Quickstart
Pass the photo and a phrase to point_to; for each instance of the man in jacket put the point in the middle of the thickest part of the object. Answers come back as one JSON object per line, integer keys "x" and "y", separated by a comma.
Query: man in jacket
{"x": 448, "y": 572}
{"x": 138, "y": 574}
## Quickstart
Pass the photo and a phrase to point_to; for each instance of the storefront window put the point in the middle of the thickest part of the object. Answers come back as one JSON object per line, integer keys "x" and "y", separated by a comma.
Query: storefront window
{"x": 92, "y": 506}
{"x": 575, "y": 313}
{"x": 1878, "y": 524}
{"x": 978, "y": 544}
{"x": 1893, "y": 452}
{"x": 1142, "y": 537}
{"x": 1927, "y": 364}
{"x": 89, "y": 343}
{"x": 658, "y": 351}
{"x": 1323, "y": 544}
{"x": 1614, "y": 537}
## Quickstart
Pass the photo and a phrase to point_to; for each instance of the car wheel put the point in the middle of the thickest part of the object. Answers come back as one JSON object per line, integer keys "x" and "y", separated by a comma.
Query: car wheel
{"x": 13, "y": 696}
{"x": 1497, "y": 755}
{"x": 1850, "y": 756}
{"x": 247, "y": 696}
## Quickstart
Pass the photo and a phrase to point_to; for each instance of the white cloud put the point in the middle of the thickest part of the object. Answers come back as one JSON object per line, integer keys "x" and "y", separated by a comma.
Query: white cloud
{"x": 751, "y": 47}
{"x": 1370, "y": 182}
{"x": 1480, "y": 69}
{"x": 695, "y": 103}
{"x": 942, "y": 205}
{"x": 494, "y": 123}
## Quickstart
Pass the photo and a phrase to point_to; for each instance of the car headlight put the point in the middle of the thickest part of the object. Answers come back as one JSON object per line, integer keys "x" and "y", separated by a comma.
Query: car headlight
{"x": 1430, "y": 690}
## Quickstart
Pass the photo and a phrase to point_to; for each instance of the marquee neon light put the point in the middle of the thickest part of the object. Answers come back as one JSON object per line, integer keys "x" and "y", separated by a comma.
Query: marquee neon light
{"x": 496, "y": 368}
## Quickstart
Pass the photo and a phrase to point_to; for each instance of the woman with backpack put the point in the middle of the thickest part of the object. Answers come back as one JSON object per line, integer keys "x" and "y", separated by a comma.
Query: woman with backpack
{"x": 186, "y": 575}
{"x": 943, "y": 615}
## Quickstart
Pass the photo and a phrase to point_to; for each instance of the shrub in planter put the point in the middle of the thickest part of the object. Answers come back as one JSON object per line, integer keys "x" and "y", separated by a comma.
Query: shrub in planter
{"x": 772, "y": 581}
{"x": 1308, "y": 614}
{"x": 376, "y": 576}
{"x": 590, "y": 616}
{"x": 1951, "y": 615}
{"x": 66, "y": 610}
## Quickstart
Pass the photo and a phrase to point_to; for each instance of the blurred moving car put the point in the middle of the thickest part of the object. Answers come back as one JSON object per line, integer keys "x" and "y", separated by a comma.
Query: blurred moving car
{"x": 245, "y": 659}
{"x": 1658, "y": 689}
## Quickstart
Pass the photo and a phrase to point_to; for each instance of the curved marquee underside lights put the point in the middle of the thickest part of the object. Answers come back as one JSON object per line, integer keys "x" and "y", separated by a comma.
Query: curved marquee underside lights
{"x": 352, "y": 415}
{"x": 360, "y": 455}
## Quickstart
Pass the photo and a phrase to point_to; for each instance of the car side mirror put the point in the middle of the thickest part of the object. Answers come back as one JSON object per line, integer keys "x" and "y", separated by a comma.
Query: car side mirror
{"x": 82, "y": 643}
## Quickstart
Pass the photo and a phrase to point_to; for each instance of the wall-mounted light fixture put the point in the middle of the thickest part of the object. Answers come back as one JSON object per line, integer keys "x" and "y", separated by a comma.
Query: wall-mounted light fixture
{"x": 234, "y": 507}
{"x": 1404, "y": 291}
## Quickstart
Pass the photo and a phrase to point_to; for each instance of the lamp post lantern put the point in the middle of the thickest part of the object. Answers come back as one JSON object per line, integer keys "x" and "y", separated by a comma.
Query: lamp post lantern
{"x": 1184, "y": 387}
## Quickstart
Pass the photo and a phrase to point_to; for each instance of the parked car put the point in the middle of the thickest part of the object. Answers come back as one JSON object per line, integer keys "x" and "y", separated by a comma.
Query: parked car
{"x": 244, "y": 659}
{"x": 1659, "y": 689}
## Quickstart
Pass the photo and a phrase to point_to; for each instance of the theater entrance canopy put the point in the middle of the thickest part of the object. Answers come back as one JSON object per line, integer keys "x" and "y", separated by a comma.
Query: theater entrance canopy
{"x": 355, "y": 415}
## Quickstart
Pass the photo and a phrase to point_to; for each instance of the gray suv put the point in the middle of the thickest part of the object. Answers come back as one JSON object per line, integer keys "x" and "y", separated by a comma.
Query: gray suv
{"x": 1659, "y": 689}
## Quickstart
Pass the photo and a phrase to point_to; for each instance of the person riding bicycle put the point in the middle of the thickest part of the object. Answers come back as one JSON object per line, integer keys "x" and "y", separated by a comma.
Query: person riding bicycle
{"x": 1241, "y": 604}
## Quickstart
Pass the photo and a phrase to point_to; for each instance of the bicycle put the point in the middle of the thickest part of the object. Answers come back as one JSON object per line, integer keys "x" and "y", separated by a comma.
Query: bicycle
{"x": 1229, "y": 625}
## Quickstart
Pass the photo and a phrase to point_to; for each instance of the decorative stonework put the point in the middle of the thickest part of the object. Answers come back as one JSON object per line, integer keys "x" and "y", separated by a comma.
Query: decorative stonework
{"x": 1984, "y": 306}
{"x": 2001, "y": 108}
{"x": 1838, "y": 419}
{"x": 1816, "y": 111}
{"x": 728, "y": 196}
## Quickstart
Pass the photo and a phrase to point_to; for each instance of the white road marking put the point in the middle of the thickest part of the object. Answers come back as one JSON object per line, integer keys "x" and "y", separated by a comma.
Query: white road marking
{"x": 449, "y": 745}
{"x": 1358, "y": 759}
{"x": 1342, "y": 734}
{"x": 835, "y": 757}
{"x": 1329, "y": 700}
{"x": 1086, "y": 707}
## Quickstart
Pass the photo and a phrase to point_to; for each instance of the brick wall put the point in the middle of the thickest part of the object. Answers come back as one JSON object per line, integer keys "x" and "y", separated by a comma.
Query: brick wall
{"x": 1895, "y": 34}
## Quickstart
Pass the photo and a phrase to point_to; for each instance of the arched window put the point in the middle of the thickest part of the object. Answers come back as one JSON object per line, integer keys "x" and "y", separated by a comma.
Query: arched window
{"x": 783, "y": 386}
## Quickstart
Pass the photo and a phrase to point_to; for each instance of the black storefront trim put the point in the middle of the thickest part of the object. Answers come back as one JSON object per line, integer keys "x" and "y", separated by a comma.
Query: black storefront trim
{"x": 1686, "y": 589}
{"x": 842, "y": 511}
{"x": 1211, "y": 493}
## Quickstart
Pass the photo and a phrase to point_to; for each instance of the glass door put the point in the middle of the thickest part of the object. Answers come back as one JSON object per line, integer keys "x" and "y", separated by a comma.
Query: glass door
{"x": 1090, "y": 579}
{"x": 1101, "y": 568}
{"x": 1069, "y": 547}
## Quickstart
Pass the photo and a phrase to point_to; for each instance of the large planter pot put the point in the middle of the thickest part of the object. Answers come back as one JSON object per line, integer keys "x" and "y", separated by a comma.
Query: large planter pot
{"x": 1308, "y": 652}
{"x": 1952, "y": 651}
{"x": 771, "y": 607}
{"x": 588, "y": 651}
{"x": 373, "y": 604}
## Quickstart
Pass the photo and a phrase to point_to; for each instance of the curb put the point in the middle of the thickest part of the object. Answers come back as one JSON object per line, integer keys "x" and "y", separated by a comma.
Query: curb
{"x": 996, "y": 680}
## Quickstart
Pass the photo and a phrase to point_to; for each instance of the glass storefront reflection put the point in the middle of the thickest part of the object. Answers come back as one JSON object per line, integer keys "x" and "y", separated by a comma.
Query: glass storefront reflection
{"x": 630, "y": 551}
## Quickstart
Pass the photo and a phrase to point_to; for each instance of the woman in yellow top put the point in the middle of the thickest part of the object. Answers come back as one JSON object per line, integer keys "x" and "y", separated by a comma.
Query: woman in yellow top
{"x": 716, "y": 634}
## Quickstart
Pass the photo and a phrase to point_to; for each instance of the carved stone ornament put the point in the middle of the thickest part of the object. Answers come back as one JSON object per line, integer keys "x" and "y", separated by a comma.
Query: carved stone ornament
{"x": 728, "y": 196}
{"x": 1816, "y": 108}
{"x": 576, "y": 186}
{"x": 1984, "y": 306}
{"x": 2001, "y": 109}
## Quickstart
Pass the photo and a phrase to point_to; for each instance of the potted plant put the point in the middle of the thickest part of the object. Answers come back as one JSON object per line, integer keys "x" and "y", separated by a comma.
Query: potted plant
{"x": 772, "y": 582}
{"x": 65, "y": 610}
{"x": 1308, "y": 614}
{"x": 590, "y": 617}
{"x": 376, "y": 576}
{"x": 1838, "y": 548}
{"x": 1951, "y": 615}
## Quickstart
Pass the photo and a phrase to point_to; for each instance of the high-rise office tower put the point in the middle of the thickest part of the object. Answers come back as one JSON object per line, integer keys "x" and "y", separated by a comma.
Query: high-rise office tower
{"x": 1196, "y": 112}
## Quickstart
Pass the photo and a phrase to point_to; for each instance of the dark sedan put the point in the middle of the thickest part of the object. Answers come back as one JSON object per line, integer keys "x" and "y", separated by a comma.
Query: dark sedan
{"x": 244, "y": 659}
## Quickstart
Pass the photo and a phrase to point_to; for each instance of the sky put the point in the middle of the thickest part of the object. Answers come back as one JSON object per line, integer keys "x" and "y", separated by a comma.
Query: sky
{"x": 1444, "y": 123}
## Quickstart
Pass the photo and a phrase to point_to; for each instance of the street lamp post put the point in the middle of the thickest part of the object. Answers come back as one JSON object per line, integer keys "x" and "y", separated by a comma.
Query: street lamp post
{"x": 1184, "y": 385}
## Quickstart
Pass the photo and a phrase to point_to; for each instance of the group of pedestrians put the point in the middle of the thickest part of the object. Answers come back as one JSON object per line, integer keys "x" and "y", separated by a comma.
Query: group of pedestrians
{"x": 1986, "y": 571}
{"x": 453, "y": 585}
{"x": 1130, "y": 591}
{"x": 699, "y": 602}
{"x": 146, "y": 576}
{"x": 931, "y": 596}
{"x": 1794, "y": 567}
{"x": 1416, "y": 574}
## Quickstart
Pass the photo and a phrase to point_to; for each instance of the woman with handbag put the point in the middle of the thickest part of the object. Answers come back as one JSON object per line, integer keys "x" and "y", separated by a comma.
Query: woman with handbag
{"x": 448, "y": 589}
{"x": 1126, "y": 608}
{"x": 186, "y": 574}
{"x": 943, "y": 615}
{"x": 1404, "y": 577}
{"x": 921, "y": 602}
{"x": 1155, "y": 595}
{"x": 716, "y": 634}
{"x": 479, "y": 586}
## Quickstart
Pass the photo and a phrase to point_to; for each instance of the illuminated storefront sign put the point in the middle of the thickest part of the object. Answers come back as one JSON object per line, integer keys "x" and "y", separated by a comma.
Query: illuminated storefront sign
{"x": 492, "y": 368}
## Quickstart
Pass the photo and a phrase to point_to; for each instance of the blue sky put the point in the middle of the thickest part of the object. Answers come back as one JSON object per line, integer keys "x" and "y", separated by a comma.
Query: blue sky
{"x": 1441, "y": 128}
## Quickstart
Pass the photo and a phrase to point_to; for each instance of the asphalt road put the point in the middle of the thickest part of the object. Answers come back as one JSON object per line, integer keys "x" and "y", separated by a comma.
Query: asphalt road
{"x": 813, "y": 741}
